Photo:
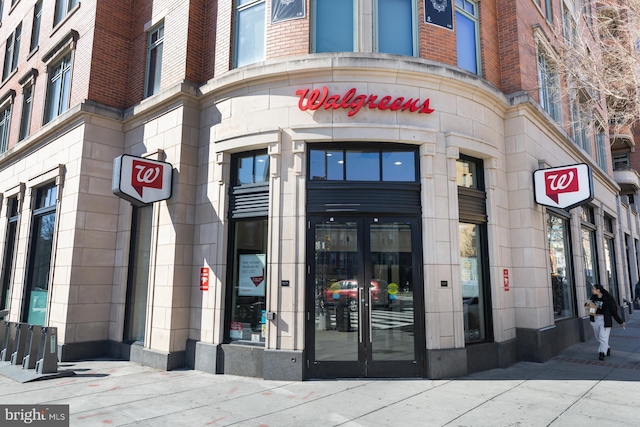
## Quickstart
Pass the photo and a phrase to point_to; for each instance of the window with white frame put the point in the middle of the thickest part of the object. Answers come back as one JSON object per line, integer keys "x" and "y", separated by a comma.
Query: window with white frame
{"x": 334, "y": 25}
{"x": 549, "y": 87}
{"x": 579, "y": 122}
{"x": 63, "y": 7}
{"x": 35, "y": 28}
{"x": 467, "y": 36}
{"x": 58, "y": 89}
{"x": 601, "y": 147}
{"x": 620, "y": 161}
{"x": 5, "y": 124}
{"x": 27, "y": 105}
{"x": 250, "y": 21}
{"x": 12, "y": 52}
{"x": 155, "y": 43}
{"x": 548, "y": 12}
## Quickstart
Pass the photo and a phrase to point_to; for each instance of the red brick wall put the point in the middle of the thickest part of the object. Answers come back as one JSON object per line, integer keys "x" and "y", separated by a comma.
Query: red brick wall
{"x": 111, "y": 53}
{"x": 288, "y": 38}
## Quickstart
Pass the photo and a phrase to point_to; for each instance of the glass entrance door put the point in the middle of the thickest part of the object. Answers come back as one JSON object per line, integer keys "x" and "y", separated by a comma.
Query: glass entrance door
{"x": 364, "y": 286}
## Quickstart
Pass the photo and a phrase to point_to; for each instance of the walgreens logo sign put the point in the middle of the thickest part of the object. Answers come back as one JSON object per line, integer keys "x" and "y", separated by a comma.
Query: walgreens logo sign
{"x": 564, "y": 187}
{"x": 141, "y": 181}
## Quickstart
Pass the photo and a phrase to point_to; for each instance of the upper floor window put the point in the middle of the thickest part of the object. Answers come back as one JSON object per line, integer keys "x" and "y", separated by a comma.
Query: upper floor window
{"x": 35, "y": 29}
{"x": 395, "y": 26}
{"x": 334, "y": 25}
{"x": 59, "y": 88}
{"x": 568, "y": 25}
{"x": 549, "y": 87}
{"x": 579, "y": 120}
{"x": 548, "y": 12}
{"x": 467, "y": 36}
{"x": 601, "y": 147}
{"x": 250, "y": 32}
{"x": 362, "y": 165}
{"x": 621, "y": 161}
{"x": 63, "y": 7}
{"x": 27, "y": 104}
{"x": 12, "y": 52}
{"x": 154, "y": 60}
{"x": 5, "y": 123}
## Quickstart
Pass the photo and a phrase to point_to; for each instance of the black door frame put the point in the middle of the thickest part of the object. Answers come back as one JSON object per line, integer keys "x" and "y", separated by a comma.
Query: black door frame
{"x": 365, "y": 366}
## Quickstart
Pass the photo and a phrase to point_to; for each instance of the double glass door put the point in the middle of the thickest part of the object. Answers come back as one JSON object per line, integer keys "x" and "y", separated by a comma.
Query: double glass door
{"x": 365, "y": 312}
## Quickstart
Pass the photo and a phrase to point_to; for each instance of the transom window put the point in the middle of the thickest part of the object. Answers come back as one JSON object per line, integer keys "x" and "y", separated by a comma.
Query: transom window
{"x": 252, "y": 168}
{"x": 362, "y": 165}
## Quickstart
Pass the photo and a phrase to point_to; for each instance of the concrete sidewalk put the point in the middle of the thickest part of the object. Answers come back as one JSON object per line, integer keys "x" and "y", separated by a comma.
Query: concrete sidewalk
{"x": 573, "y": 389}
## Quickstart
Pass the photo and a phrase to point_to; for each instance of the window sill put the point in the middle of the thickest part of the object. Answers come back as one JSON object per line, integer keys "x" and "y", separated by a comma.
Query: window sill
{"x": 11, "y": 74}
{"x": 33, "y": 52}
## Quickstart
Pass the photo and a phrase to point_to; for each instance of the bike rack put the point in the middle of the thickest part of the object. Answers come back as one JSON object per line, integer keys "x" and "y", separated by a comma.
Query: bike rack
{"x": 7, "y": 342}
{"x": 31, "y": 355}
{"x": 48, "y": 351}
{"x": 19, "y": 344}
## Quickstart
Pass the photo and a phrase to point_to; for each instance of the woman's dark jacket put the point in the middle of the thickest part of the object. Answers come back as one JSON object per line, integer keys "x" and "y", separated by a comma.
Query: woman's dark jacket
{"x": 608, "y": 308}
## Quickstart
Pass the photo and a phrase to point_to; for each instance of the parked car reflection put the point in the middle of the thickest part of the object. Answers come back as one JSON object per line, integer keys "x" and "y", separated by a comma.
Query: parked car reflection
{"x": 346, "y": 292}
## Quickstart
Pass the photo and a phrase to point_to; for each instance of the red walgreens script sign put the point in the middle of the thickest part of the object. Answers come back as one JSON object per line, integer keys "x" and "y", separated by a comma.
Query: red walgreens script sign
{"x": 141, "y": 181}
{"x": 352, "y": 101}
{"x": 564, "y": 187}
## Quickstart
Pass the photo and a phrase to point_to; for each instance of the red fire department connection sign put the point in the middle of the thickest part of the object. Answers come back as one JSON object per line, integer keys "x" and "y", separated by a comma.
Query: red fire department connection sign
{"x": 141, "y": 181}
{"x": 564, "y": 187}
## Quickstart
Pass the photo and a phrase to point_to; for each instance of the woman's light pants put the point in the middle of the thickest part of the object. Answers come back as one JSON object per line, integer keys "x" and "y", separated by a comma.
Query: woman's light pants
{"x": 601, "y": 333}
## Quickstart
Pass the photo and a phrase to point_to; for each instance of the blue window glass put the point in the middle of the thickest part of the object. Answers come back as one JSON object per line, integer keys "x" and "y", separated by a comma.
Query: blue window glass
{"x": 326, "y": 165}
{"x": 395, "y": 27}
{"x": 252, "y": 169}
{"x": 363, "y": 165}
{"x": 466, "y": 36}
{"x": 250, "y": 32}
{"x": 334, "y": 28}
{"x": 398, "y": 166}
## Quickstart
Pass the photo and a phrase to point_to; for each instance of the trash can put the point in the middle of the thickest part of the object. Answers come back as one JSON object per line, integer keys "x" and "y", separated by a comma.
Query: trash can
{"x": 343, "y": 316}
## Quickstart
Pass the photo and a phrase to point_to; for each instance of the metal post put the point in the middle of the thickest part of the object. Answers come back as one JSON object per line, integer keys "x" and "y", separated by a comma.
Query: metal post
{"x": 7, "y": 342}
{"x": 48, "y": 351}
{"x": 19, "y": 343}
{"x": 31, "y": 352}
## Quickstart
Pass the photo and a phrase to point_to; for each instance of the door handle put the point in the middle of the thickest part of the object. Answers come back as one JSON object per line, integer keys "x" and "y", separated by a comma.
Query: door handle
{"x": 359, "y": 322}
{"x": 370, "y": 315}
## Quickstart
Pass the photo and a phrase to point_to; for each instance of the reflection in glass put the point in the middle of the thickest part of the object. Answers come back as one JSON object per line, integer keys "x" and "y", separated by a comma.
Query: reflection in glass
{"x": 44, "y": 218}
{"x": 138, "y": 282}
{"x": 363, "y": 165}
{"x": 395, "y": 27}
{"x": 558, "y": 238}
{"x": 610, "y": 265}
{"x": 398, "y": 166}
{"x": 326, "y": 165}
{"x": 248, "y": 322}
{"x": 333, "y": 27}
{"x": 336, "y": 292}
{"x": 391, "y": 293}
{"x": 466, "y": 174}
{"x": 588, "y": 255}
{"x": 472, "y": 286}
{"x": 253, "y": 169}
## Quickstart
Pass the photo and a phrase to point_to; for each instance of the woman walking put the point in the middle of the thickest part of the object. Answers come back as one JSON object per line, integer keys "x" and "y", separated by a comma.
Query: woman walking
{"x": 601, "y": 320}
